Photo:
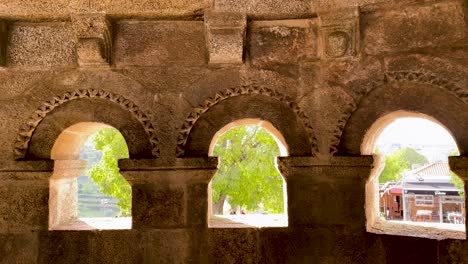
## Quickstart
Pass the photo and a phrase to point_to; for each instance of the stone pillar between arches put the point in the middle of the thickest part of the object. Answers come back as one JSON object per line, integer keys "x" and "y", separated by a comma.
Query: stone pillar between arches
{"x": 326, "y": 192}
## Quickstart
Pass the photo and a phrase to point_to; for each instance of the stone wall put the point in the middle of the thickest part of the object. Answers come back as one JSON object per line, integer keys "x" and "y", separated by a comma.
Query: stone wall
{"x": 170, "y": 74}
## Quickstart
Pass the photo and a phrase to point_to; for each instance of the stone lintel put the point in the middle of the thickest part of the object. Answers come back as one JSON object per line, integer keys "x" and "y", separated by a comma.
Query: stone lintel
{"x": 94, "y": 39}
{"x": 459, "y": 165}
{"x": 344, "y": 166}
{"x": 339, "y": 32}
{"x": 225, "y": 36}
{"x": 177, "y": 172}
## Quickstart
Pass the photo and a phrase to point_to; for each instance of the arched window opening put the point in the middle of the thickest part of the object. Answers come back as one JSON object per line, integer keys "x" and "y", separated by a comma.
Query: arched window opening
{"x": 86, "y": 189}
{"x": 248, "y": 189}
{"x": 412, "y": 184}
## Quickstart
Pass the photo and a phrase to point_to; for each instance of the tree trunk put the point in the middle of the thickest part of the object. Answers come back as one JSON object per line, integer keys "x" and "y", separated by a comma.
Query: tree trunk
{"x": 218, "y": 207}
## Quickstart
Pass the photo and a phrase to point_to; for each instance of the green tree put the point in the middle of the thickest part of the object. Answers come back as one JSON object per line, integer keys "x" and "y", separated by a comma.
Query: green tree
{"x": 400, "y": 161}
{"x": 105, "y": 173}
{"x": 247, "y": 175}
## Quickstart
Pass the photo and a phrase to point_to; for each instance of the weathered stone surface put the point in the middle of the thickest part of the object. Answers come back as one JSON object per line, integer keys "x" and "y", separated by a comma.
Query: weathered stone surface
{"x": 161, "y": 245}
{"x": 43, "y": 44}
{"x": 155, "y": 43}
{"x": 232, "y": 245}
{"x": 157, "y": 207}
{"x": 24, "y": 205}
{"x": 282, "y": 42}
{"x": 65, "y": 247}
{"x": 265, "y": 9}
{"x": 413, "y": 27}
{"x": 19, "y": 247}
{"x": 117, "y": 246}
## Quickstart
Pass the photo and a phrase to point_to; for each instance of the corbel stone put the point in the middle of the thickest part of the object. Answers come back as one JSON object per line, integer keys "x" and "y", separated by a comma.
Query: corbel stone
{"x": 3, "y": 42}
{"x": 94, "y": 39}
{"x": 339, "y": 33}
{"x": 225, "y": 36}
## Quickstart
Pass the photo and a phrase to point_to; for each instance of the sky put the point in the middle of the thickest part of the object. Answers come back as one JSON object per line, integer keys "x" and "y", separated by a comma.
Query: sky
{"x": 415, "y": 131}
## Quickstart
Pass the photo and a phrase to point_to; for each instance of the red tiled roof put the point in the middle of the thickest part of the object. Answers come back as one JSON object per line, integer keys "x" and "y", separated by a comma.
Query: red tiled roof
{"x": 433, "y": 169}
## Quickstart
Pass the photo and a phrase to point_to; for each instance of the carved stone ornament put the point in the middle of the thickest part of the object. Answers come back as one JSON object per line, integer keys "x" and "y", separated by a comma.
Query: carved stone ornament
{"x": 3, "y": 42}
{"x": 339, "y": 33}
{"x": 233, "y": 92}
{"x": 27, "y": 130}
{"x": 225, "y": 36}
{"x": 94, "y": 39}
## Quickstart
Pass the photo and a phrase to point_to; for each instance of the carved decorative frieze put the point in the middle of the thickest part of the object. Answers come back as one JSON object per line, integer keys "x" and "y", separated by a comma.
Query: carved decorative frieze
{"x": 94, "y": 39}
{"x": 225, "y": 36}
{"x": 233, "y": 92}
{"x": 427, "y": 78}
{"x": 3, "y": 42}
{"x": 339, "y": 33}
{"x": 26, "y": 132}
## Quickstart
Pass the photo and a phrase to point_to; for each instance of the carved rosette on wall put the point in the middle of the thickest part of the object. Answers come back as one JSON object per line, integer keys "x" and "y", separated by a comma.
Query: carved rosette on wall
{"x": 233, "y": 92}
{"x": 26, "y": 132}
{"x": 225, "y": 36}
{"x": 3, "y": 42}
{"x": 94, "y": 35}
{"x": 339, "y": 33}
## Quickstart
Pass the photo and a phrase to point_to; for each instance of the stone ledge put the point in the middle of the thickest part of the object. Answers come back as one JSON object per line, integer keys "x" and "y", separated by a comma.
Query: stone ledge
{"x": 337, "y": 161}
{"x": 27, "y": 166}
{"x": 162, "y": 165}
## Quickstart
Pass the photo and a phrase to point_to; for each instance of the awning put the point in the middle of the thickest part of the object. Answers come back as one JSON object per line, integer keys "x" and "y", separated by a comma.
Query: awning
{"x": 430, "y": 186}
{"x": 396, "y": 190}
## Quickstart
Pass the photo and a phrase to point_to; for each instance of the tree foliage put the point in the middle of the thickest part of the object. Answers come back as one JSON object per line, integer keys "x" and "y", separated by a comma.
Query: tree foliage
{"x": 105, "y": 173}
{"x": 400, "y": 161}
{"x": 247, "y": 175}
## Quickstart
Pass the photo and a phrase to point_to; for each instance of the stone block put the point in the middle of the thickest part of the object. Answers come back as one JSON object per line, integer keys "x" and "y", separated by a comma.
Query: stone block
{"x": 18, "y": 247}
{"x": 410, "y": 250}
{"x": 24, "y": 204}
{"x": 453, "y": 251}
{"x": 159, "y": 43}
{"x": 41, "y": 44}
{"x": 197, "y": 204}
{"x": 274, "y": 245}
{"x": 282, "y": 42}
{"x": 266, "y": 9}
{"x": 171, "y": 246}
{"x": 157, "y": 207}
{"x": 410, "y": 28}
{"x": 232, "y": 245}
{"x": 326, "y": 245}
{"x": 122, "y": 246}
{"x": 65, "y": 247}
{"x": 225, "y": 36}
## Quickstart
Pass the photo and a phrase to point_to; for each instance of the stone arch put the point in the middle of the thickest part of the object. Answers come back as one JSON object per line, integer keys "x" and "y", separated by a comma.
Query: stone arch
{"x": 250, "y": 102}
{"x": 27, "y": 131}
{"x": 416, "y": 81}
